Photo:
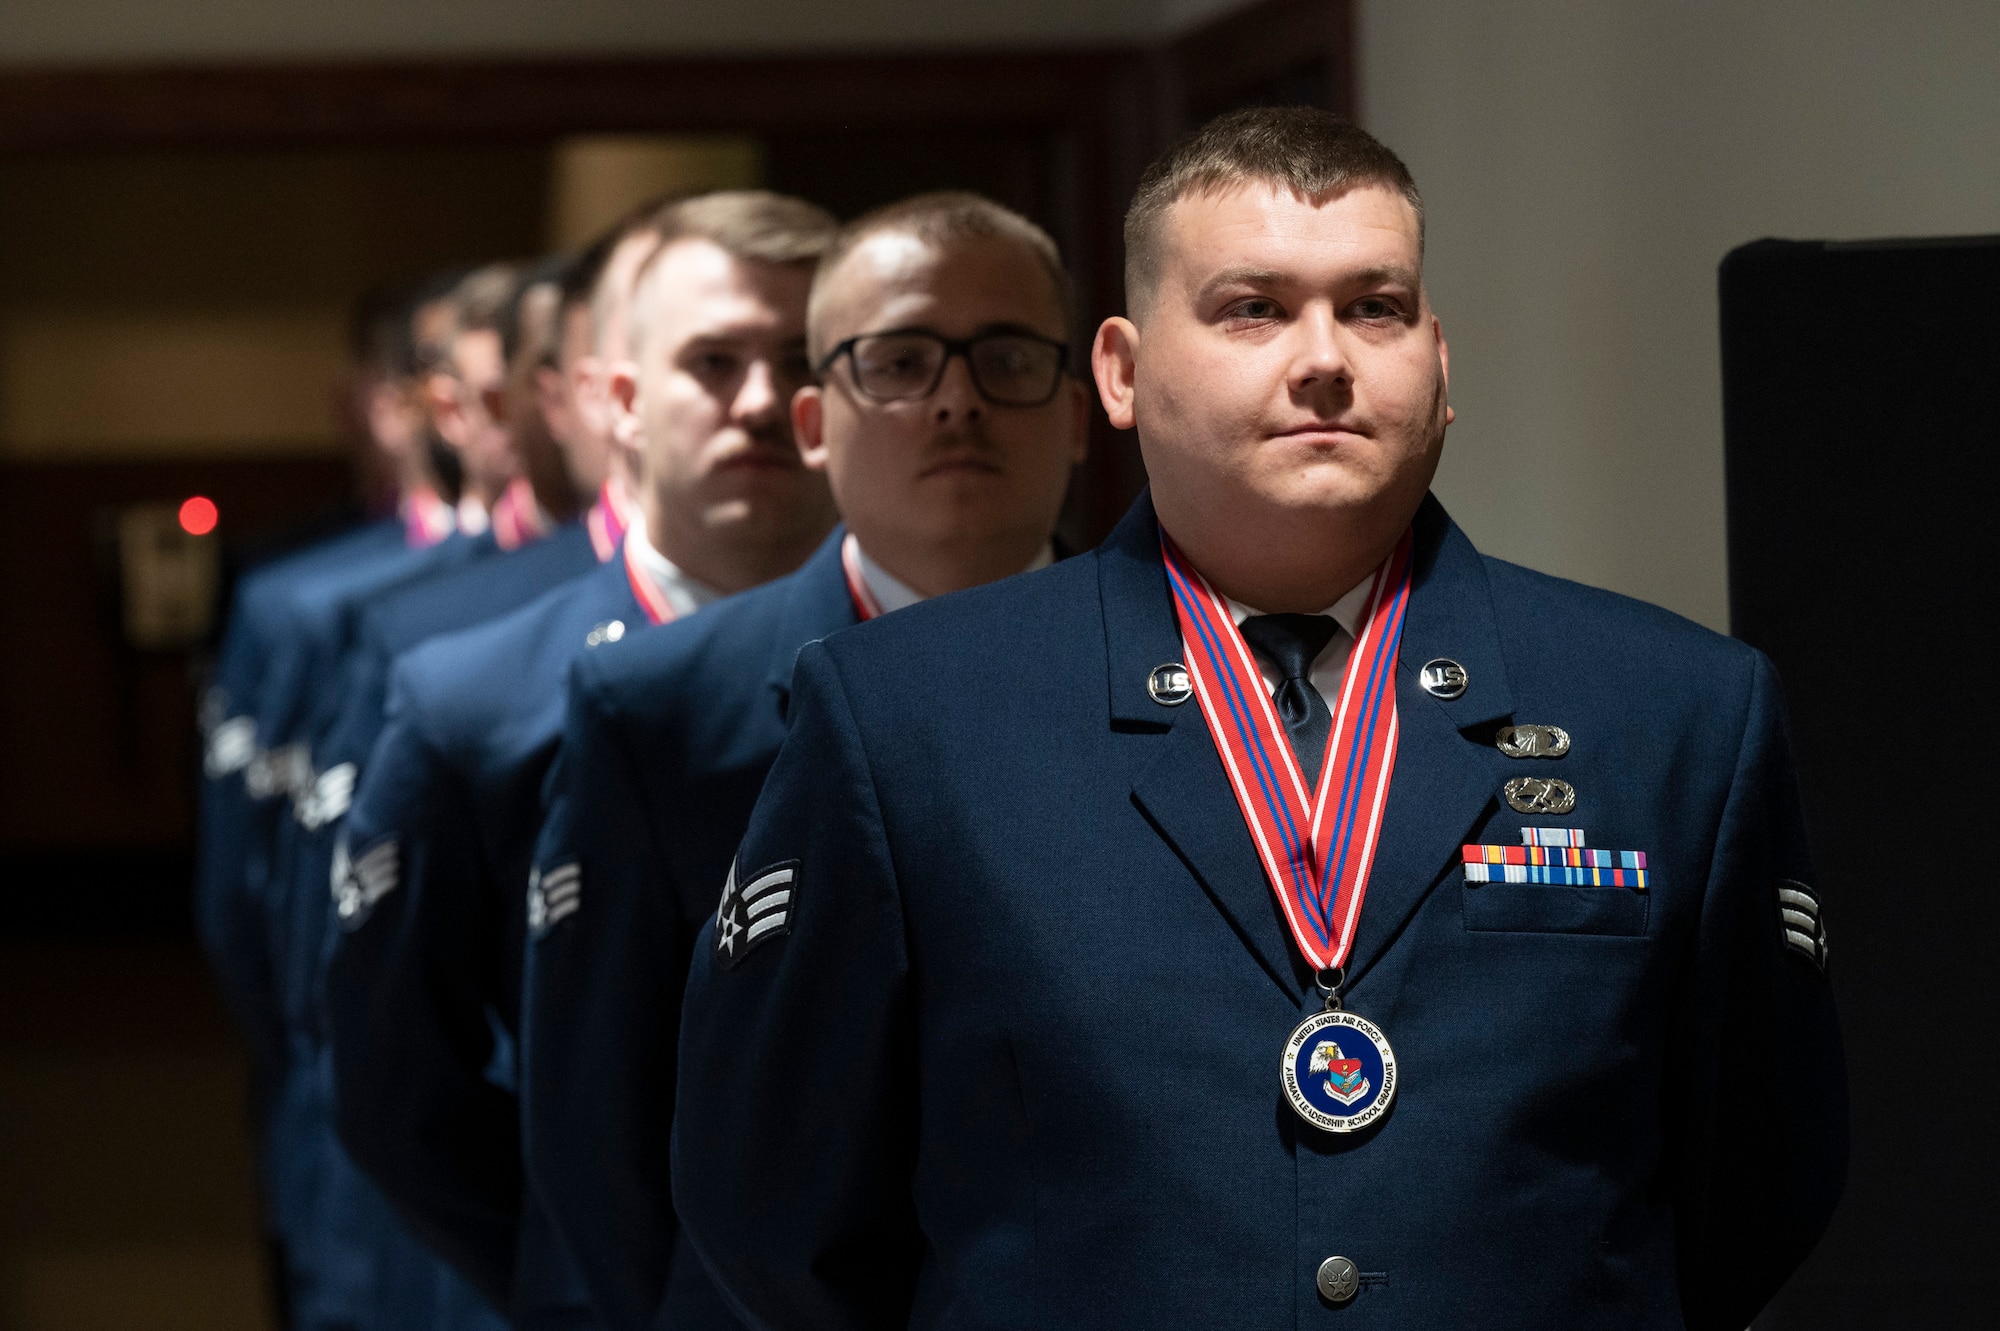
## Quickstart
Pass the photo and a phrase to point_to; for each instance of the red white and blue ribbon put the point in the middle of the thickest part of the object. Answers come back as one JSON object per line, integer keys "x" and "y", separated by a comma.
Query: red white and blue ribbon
{"x": 651, "y": 599}
{"x": 865, "y": 604}
{"x": 427, "y": 518}
{"x": 606, "y": 522}
{"x": 517, "y": 517}
{"x": 1317, "y": 846}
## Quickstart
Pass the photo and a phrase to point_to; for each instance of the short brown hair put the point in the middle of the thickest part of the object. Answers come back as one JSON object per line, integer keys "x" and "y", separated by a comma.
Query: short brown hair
{"x": 938, "y": 219}
{"x": 749, "y": 225}
{"x": 1298, "y": 148}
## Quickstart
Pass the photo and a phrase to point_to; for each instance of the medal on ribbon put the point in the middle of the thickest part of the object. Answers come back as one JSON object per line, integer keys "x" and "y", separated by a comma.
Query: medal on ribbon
{"x": 1318, "y": 844}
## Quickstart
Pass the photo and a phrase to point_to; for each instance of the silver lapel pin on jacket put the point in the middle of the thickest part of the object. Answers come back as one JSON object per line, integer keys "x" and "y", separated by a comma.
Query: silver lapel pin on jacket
{"x": 1443, "y": 678}
{"x": 1169, "y": 684}
{"x": 1533, "y": 794}
{"x": 1532, "y": 741}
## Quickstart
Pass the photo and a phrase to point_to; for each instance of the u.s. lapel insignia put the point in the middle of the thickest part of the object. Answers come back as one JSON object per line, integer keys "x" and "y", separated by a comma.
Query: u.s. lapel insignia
{"x": 754, "y": 910}
{"x": 1532, "y": 741}
{"x": 360, "y": 881}
{"x": 1443, "y": 678}
{"x": 1798, "y": 914}
{"x": 1169, "y": 684}
{"x": 553, "y": 896}
{"x": 1533, "y": 794}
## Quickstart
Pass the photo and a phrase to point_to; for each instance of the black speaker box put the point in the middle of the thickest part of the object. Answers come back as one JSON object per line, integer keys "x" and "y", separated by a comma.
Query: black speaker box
{"x": 1861, "y": 401}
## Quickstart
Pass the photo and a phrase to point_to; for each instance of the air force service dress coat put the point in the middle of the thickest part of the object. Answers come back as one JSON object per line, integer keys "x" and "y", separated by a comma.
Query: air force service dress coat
{"x": 1011, "y": 1055}
{"x": 667, "y": 741}
{"x": 423, "y": 986}
{"x": 385, "y": 1278}
{"x": 312, "y": 624}
{"x": 237, "y": 807}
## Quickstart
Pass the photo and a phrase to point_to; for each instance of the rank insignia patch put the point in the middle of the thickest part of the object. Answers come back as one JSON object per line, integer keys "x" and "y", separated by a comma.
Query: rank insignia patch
{"x": 359, "y": 882}
{"x": 232, "y": 744}
{"x": 754, "y": 910}
{"x": 1798, "y": 913}
{"x": 327, "y": 798}
{"x": 553, "y": 896}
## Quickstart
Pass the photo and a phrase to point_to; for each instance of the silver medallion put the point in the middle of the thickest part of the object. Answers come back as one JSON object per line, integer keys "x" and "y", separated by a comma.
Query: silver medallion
{"x": 1169, "y": 684}
{"x": 1533, "y": 794}
{"x": 1338, "y": 1071}
{"x": 1532, "y": 741}
{"x": 1443, "y": 678}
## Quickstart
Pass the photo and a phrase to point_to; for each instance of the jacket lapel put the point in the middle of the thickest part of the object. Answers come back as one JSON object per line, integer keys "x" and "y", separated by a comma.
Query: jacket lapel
{"x": 1447, "y": 770}
{"x": 816, "y": 603}
{"x": 1183, "y": 790}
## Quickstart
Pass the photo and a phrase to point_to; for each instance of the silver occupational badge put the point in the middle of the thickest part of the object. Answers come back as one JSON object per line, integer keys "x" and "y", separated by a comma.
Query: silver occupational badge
{"x": 1338, "y": 1071}
{"x": 1532, "y": 741}
{"x": 1443, "y": 678}
{"x": 1169, "y": 684}
{"x": 1533, "y": 794}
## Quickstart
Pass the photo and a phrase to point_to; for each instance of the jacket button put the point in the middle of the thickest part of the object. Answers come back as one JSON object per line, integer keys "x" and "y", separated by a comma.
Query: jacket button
{"x": 1338, "y": 1279}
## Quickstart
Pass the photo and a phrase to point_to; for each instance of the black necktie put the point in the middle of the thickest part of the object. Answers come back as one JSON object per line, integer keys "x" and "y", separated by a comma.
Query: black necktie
{"x": 1291, "y": 643}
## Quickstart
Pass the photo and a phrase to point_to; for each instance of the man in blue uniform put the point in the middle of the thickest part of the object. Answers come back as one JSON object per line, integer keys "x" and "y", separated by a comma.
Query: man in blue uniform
{"x": 948, "y": 429}
{"x": 385, "y": 1278}
{"x": 253, "y": 767}
{"x": 342, "y": 1269}
{"x": 423, "y": 988}
{"x": 1285, "y": 915}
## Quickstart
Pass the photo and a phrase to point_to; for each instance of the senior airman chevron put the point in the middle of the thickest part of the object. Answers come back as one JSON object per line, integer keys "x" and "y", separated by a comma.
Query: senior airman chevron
{"x": 1556, "y": 855}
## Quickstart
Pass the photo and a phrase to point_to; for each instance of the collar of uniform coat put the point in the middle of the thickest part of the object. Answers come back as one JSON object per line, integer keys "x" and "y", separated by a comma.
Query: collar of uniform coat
{"x": 1450, "y": 615}
{"x": 816, "y": 603}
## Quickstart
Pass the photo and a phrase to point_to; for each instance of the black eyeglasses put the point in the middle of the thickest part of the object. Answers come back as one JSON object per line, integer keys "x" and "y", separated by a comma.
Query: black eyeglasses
{"x": 1009, "y": 369}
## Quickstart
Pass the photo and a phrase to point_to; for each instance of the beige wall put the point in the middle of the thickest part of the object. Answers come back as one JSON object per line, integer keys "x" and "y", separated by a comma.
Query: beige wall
{"x": 1586, "y": 167}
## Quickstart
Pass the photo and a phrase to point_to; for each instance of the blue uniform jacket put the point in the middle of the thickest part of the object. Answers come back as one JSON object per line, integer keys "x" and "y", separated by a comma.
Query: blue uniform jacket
{"x": 1012, "y": 1057}
{"x": 329, "y": 1282}
{"x": 230, "y": 860}
{"x": 452, "y": 599}
{"x": 423, "y": 987}
{"x": 384, "y": 1277}
{"x": 666, "y": 743}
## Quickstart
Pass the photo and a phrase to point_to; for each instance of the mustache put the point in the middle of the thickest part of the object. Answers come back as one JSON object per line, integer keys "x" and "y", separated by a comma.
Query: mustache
{"x": 963, "y": 437}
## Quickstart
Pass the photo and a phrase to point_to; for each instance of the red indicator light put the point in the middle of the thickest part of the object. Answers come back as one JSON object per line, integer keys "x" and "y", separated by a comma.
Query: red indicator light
{"x": 198, "y": 516}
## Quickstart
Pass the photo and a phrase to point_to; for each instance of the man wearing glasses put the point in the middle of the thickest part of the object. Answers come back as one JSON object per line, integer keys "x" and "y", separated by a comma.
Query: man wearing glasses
{"x": 947, "y": 426}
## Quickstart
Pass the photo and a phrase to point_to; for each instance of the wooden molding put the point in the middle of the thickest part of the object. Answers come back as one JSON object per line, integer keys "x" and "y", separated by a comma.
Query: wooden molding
{"x": 460, "y": 101}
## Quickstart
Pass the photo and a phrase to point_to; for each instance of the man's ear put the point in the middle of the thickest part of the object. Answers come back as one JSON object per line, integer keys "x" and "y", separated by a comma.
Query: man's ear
{"x": 441, "y": 393}
{"x": 1444, "y": 368}
{"x": 1114, "y": 362}
{"x": 621, "y": 391}
{"x": 809, "y": 425}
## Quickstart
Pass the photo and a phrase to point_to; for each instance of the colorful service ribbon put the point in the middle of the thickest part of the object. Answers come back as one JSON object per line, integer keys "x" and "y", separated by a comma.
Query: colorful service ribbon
{"x": 1318, "y": 847}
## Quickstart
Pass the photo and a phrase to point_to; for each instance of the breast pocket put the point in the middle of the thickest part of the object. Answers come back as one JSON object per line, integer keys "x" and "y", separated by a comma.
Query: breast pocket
{"x": 1542, "y": 908}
